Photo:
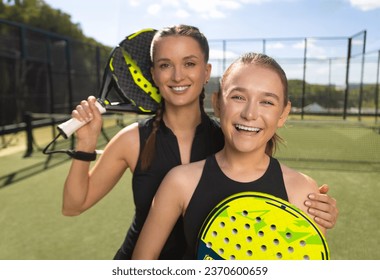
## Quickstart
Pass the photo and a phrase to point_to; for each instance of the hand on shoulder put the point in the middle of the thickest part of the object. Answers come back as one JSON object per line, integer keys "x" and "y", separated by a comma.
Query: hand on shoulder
{"x": 298, "y": 186}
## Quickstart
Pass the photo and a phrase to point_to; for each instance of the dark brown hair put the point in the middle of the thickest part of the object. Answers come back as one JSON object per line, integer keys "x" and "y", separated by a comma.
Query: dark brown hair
{"x": 264, "y": 61}
{"x": 176, "y": 30}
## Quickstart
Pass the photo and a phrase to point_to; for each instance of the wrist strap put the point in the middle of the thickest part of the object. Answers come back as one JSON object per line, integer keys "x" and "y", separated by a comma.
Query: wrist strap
{"x": 72, "y": 153}
{"x": 82, "y": 155}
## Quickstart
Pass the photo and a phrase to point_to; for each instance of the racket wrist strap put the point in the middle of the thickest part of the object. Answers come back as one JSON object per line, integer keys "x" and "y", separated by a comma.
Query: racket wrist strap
{"x": 84, "y": 156}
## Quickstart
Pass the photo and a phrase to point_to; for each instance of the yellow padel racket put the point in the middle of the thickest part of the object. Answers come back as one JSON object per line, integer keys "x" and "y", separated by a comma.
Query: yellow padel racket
{"x": 258, "y": 226}
{"x": 127, "y": 84}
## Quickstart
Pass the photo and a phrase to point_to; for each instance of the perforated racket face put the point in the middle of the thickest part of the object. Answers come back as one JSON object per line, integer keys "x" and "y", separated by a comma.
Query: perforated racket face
{"x": 257, "y": 226}
{"x": 128, "y": 69}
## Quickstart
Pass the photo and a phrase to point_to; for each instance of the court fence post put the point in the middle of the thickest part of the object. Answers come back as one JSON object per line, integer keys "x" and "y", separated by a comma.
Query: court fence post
{"x": 29, "y": 134}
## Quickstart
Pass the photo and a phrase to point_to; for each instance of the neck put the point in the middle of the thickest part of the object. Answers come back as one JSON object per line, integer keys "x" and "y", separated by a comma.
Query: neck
{"x": 243, "y": 167}
{"x": 182, "y": 118}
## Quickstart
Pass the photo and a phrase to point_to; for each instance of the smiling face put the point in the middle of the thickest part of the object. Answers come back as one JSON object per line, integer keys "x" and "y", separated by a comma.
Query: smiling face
{"x": 252, "y": 106}
{"x": 179, "y": 69}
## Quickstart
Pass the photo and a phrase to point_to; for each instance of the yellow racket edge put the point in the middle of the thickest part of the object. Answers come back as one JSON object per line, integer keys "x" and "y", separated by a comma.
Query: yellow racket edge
{"x": 259, "y": 226}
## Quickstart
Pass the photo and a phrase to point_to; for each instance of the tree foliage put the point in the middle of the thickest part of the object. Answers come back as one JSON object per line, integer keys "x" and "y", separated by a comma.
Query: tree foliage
{"x": 38, "y": 14}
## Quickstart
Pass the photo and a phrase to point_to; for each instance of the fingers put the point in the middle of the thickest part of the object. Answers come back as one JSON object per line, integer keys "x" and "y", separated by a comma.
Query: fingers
{"x": 324, "y": 223}
{"x": 86, "y": 110}
{"x": 322, "y": 200}
{"x": 323, "y": 208}
{"x": 325, "y": 219}
{"x": 324, "y": 189}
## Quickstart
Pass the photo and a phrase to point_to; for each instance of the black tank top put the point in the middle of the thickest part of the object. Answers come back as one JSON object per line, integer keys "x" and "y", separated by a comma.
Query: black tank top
{"x": 214, "y": 186}
{"x": 208, "y": 139}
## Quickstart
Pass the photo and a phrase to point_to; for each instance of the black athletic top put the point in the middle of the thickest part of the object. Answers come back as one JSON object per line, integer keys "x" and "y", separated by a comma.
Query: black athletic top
{"x": 214, "y": 186}
{"x": 208, "y": 139}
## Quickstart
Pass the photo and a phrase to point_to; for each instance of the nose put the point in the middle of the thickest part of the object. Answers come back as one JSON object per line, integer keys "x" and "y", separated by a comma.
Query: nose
{"x": 177, "y": 74}
{"x": 249, "y": 112}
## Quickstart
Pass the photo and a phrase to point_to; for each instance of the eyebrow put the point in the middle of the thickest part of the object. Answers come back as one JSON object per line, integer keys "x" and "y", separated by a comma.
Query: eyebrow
{"x": 185, "y": 58}
{"x": 271, "y": 94}
{"x": 237, "y": 88}
{"x": 242, "y": 89}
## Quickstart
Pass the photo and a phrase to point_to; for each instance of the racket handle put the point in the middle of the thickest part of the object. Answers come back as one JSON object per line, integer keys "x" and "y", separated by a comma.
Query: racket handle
{"x": 69, "y": 127}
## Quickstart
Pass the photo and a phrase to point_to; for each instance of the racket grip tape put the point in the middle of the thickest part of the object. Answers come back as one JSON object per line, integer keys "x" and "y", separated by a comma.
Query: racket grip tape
{"x": 69, "y": 127}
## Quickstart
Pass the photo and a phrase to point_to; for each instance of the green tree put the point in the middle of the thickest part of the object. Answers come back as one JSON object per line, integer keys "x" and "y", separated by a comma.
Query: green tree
{"x": 38, "y": 14}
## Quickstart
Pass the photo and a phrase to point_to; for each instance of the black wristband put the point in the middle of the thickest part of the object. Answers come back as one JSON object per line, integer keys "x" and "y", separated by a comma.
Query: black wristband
{"x": 82, "y": 155}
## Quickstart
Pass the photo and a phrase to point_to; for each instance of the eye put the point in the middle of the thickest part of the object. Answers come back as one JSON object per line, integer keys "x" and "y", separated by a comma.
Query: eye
{"x": 164, "y": 65}
{"x": 267, "y": 102}
{"x": 189, "y": 64}
{"x": 238, "y": 97}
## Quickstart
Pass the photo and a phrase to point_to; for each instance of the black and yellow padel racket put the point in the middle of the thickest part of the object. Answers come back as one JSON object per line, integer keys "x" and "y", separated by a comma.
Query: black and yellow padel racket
{"x": 127, "y": 85}
{"x": 128, "y": 69}
{"x": 258, "y": 226}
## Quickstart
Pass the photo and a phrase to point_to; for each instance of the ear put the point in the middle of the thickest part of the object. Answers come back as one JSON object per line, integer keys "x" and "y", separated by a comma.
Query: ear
{"x": 152, "y": 73}
{"x": 215, "y": 103}
{"x": 208, "y": 72}
{"x": 284, "y": 115}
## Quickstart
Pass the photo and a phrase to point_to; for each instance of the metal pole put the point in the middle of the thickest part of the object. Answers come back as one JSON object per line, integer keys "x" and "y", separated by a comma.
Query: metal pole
{"x": 347, "y": 79}
{"x": 224, "y": 55}
{"x": 304, "y": 80}
{"x": 50, "y": 76}
{"x": 98, "y": 67}
{"x": 69, "y": 82}
{"x": 362, "y": 77}
{"x": 377, "y": 88}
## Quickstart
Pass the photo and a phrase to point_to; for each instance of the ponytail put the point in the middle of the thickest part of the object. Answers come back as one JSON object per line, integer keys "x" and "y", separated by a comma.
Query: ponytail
{"x": 148, "y": 152}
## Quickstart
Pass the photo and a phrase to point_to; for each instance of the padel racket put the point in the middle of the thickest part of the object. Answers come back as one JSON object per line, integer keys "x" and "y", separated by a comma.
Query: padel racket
{"x": 127, "y": 74}
{"x": 258, "y": 226}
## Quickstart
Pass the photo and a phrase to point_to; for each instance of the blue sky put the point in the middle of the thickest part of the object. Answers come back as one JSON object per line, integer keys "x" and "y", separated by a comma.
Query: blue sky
{"x": 108, "y": 21}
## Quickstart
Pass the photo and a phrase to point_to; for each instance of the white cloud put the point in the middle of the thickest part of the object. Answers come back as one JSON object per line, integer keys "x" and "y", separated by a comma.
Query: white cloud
{"x": 207, "y": 9}
{"x": 357, "y": 42}
{"x": 214, "y": 14}
{"x": 276, "y": 46}
{"x": 181, "y": 13}
{"x": 211, "y": 8}
{"x": 174, "y": 3}
{"x": 257, "y": 2}
{"x": 365, "y": 5}
{"x": 204, "y": 6}
{"x": 314, "y": 50}
{"x": 154, "y": 9}
{"x": 230, "y": 4}
{"x": 134, "y": 3}
{"x": 219, "y": 54}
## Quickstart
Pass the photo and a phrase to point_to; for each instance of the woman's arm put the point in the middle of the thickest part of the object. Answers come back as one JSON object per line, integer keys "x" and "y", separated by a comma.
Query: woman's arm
{"x": 167, "y": 207}
{"x": 298, "y": 186}
{"x": 83, "y": 188}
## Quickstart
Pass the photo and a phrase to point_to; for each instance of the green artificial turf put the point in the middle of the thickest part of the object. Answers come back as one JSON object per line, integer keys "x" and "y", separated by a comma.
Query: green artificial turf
{"x": 32, "y": 226}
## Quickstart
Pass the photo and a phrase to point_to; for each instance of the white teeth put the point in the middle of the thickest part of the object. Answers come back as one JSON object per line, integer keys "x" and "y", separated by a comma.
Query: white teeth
{"x": 179, "y": 88}
{"x": 247, "y": 128}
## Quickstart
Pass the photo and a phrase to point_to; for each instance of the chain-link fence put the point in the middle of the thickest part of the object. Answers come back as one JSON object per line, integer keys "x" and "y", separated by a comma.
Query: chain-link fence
{"x": 43, "y": 72}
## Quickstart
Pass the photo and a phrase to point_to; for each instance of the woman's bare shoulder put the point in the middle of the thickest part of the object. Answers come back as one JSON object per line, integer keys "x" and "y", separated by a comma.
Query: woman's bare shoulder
{"x": 187, "y": 172}
{"x": 298, "y": 185}
{"x": 296, "y": 178}
{"x": 179, "y": 184}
